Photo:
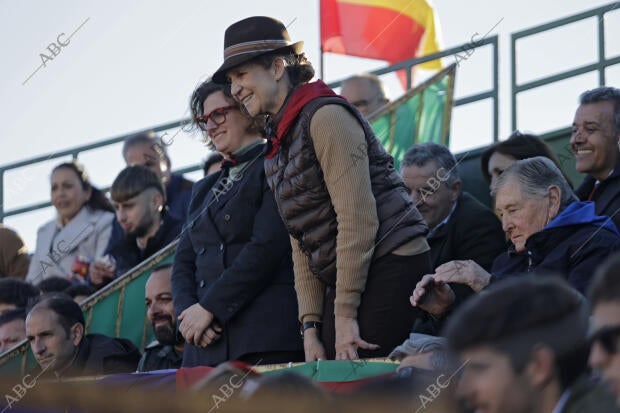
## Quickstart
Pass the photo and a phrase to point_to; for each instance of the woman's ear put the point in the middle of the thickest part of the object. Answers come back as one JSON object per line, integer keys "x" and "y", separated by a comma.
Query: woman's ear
{"x": 279, "y": 67}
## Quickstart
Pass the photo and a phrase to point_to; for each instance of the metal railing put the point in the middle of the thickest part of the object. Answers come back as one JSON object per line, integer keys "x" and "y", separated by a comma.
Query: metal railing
{"x": 492, "y": 93}
{"x": 599, "y": 66}
{"x": 76, "y": 151}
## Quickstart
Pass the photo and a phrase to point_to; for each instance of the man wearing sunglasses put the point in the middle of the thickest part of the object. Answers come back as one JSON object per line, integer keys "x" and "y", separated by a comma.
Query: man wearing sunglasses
{"x": 365, "y": 92}
{"x": 605, "y": 329}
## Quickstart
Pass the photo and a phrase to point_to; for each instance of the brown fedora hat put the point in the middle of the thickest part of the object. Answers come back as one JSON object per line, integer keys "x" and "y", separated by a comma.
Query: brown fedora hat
{"x": 252, "y": 37}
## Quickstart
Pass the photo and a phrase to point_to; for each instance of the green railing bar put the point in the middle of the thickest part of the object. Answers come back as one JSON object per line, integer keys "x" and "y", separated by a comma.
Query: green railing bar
{"x": 408, "y": 64}
{"x": 600, "y": 66}
{"x": 495, "y": 89}
{"x": 599, "y": 11}
{"x": 568, "y": 74}
{"x": 41, "y": 205}
{"x": 474, "y": 98}
{"x": 601, "y": 49}
{"x": 74, "y": 152}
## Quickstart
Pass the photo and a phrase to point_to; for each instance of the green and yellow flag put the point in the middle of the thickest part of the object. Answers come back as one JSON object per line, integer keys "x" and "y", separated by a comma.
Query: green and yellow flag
{"x": 421, "y": 115}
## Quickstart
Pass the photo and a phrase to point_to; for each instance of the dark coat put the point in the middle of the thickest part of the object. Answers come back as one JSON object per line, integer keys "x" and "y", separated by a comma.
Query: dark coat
{"x": 128, "y": 255}
{"x": 159, "y": 356}
{"x": 99, "y": 355}
{"x": 234, "y": 258}
{"x": 472, "y": 232}
{"x": 587, "y": 395}
{"x": 606, "y": 198}
{"x": 572, "y": 245}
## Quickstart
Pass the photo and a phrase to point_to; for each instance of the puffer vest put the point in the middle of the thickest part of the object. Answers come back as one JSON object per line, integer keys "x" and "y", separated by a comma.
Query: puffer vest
{"x": 296, "y": 179}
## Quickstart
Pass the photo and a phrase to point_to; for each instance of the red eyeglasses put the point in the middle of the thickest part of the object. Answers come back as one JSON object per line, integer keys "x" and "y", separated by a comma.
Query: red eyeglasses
{"x": 218, "y": 116}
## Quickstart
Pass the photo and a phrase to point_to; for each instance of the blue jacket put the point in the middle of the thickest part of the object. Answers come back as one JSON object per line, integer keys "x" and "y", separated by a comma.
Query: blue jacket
{"x": 571, "y": 245}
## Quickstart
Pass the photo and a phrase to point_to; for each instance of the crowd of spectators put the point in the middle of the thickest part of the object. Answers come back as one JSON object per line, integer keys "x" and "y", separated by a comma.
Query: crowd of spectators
{"x": 290, "y": 252}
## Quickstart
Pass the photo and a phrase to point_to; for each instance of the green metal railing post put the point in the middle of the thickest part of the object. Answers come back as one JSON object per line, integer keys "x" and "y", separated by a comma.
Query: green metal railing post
{"x": 601, "y": 49}
{"x": 600, "y": 64}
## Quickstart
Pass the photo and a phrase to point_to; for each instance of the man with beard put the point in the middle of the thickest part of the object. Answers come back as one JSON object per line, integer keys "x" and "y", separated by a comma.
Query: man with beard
{"x": 166, "y": 352}
{"x": 139, "y": 198}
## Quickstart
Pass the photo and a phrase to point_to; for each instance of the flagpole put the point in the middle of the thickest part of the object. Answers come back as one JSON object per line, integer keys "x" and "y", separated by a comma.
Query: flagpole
{"x": 321, "y": 58}
{"x": 322, "y": 64}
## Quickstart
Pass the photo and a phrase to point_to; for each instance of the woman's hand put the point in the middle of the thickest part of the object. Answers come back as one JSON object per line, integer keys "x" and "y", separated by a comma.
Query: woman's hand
{"x": 312, "y": 345}
{"x": 194, "y": 322}
{"x": 348, "y": 339}
{"x": 464, "y": 272}
{"x": 211, "y": 335}
{"x": 432, "y": 296}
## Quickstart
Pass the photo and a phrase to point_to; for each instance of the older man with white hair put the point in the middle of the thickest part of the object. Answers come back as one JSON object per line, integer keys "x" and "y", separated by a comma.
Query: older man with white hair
{"x": 550, "y": 232}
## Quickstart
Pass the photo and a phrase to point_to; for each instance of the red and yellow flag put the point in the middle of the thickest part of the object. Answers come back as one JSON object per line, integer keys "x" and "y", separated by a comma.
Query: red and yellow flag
{"x": 392, "y": 30}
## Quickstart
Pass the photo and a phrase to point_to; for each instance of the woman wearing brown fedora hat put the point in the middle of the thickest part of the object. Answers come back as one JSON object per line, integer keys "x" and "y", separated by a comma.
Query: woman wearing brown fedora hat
{"x": 358, "y": 241}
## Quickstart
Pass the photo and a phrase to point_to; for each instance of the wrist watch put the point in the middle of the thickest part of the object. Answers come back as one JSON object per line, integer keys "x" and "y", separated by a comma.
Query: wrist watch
{"x": 310, "y": 324}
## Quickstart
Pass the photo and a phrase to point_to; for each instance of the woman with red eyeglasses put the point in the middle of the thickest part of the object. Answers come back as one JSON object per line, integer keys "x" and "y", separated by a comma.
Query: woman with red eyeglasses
{"x": 232, "y": 279}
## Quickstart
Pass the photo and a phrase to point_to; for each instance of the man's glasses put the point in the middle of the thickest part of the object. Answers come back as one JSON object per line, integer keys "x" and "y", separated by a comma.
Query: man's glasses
{"x": 218, "y": 116}
{"x": 365, "y": 102}
{"x": 608, "y": 338}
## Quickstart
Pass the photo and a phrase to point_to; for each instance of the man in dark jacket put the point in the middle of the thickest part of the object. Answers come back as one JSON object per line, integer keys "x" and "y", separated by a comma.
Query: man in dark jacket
{"x": 461, "y": 228}
{"x": 605, "y": 329}
{"x": 147, "y": 149}
{"x": 574, "y": 244}
{"x": 523, "y": 348}
{"x": 139, "y": 199}
{"x": 551, "y": 234}
{"x": 166, "y": 352}
{"x": 55, "y": 329}
{"x": 594, "y": 141}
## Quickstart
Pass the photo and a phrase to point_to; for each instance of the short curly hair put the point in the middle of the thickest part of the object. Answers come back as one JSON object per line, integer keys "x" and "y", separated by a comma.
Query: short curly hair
{"x": 202, "y": 92}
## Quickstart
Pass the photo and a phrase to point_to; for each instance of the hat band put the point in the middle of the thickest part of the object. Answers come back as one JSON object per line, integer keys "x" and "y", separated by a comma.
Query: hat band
{"x": 254, "y": 46}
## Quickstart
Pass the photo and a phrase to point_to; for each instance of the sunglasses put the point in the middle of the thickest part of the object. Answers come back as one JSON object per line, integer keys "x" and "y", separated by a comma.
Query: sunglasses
{"x": 607, "y": 337}
{"x": 218, "y": 116}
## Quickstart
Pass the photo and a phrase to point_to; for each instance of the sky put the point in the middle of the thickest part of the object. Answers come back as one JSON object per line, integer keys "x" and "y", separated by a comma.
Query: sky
{"x": 130, "y": 65}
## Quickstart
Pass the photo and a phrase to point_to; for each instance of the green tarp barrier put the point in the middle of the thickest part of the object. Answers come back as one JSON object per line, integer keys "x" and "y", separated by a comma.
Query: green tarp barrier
{"x": 421, "y": 115}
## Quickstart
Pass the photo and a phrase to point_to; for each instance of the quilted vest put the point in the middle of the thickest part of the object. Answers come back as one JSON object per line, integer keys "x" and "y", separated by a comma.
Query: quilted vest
{"x": 296, "y": 179}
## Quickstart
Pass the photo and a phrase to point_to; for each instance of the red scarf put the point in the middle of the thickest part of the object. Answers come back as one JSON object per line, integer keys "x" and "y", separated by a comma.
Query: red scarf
{"x": 301, "y": 96}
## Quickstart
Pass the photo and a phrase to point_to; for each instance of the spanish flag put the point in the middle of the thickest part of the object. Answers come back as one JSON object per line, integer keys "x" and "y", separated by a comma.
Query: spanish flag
{"x": 392, "y": 30}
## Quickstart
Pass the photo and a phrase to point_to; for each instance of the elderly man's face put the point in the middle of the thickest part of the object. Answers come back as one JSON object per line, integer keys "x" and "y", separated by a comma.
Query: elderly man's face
{"x": 594, "y": 140}
{"x": 521, "y": 216}
{"x": 434, "y": 202}
{"x": 606, "y": 316}
{"x": 150, "y": 156}
{"x": 363, "y": 94}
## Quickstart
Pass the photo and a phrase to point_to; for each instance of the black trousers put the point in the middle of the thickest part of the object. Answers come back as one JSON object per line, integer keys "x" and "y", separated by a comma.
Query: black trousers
{"x": 385, "y": 315}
